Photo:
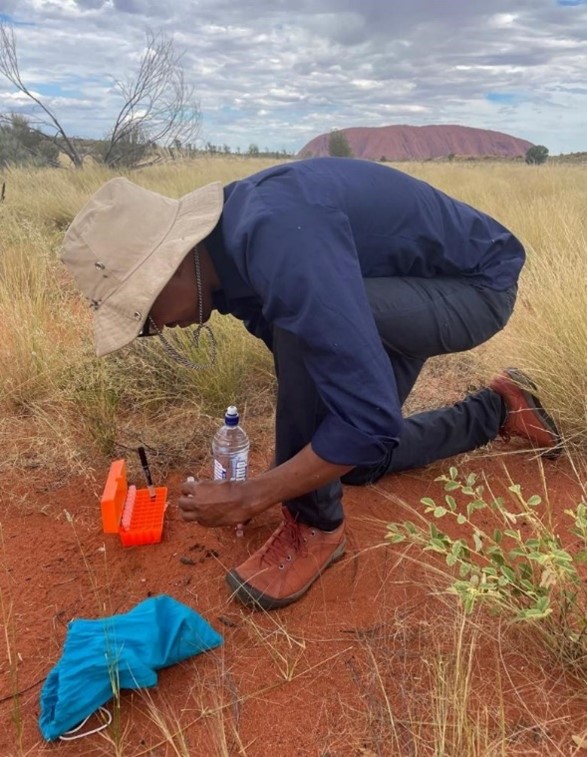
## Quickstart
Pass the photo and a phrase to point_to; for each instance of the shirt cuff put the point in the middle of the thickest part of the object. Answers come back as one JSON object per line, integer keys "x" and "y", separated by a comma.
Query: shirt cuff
{"x": 340, "y": 443}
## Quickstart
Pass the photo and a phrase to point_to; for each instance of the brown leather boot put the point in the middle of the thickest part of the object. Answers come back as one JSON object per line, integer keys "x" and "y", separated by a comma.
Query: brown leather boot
{"x": 525, "y": 416}
{"x": 285, "y": 567}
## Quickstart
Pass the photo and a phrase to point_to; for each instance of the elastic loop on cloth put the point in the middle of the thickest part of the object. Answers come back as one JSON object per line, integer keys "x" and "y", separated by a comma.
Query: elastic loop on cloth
{"x": 73, "y": 733}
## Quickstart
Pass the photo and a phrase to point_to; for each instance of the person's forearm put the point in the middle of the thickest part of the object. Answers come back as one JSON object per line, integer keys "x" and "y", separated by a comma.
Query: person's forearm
{"x": 301, "y": 474}
{"x": 222, "y": 503}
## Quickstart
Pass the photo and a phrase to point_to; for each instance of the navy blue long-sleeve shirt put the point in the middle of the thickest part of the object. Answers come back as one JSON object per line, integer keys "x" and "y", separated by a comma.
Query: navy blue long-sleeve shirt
{"x": 291, "y": 250}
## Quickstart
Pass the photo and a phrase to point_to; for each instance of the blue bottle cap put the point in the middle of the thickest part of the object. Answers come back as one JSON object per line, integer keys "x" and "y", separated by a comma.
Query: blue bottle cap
{"x": 231, "y": 417}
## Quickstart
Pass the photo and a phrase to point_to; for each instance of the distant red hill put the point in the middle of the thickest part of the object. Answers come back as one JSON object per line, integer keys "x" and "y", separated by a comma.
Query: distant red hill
{"x": 422, "y": 143}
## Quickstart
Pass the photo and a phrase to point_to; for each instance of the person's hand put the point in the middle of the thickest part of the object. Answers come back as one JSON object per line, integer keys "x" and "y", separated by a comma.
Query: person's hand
{"x": 228, "y": 503}
{"x": 213, "y": 503}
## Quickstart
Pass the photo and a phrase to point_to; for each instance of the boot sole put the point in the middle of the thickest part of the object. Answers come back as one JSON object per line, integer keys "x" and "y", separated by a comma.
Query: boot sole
{"x": 527, "y": 387}
{"x": 251, "y": 597}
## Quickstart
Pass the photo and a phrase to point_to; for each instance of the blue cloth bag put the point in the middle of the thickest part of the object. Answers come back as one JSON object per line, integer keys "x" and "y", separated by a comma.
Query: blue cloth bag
{"x": 120, "y": 652}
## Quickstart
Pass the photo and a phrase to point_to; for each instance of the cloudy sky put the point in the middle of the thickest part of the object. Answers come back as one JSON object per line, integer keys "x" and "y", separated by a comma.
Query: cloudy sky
{"x": 279, "y": 72}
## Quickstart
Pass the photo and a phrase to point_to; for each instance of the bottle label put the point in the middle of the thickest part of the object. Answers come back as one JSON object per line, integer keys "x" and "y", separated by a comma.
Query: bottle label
{"x": 240, "y": 465}
{"x": 219, "y": 472}
{"x": 237, "y": 469}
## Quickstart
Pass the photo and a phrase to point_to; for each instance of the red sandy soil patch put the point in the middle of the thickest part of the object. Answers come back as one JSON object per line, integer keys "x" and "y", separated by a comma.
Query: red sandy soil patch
{"x": 354, "y": 668}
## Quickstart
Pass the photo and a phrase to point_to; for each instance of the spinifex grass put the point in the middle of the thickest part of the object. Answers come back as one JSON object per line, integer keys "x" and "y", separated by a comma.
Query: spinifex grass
{"x": 286, "y": 650}
{"x": 547, "y": 335}
{"x": 83, "y": 407}
{"x": 52, "y": 385}
{"x": 422, "y": 701}
{"x": 30, "y": 300}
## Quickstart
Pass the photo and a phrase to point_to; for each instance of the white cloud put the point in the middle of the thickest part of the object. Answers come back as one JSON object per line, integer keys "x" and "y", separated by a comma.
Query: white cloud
{"x": 278, "y": 73}
{"x": 502, "y": 20}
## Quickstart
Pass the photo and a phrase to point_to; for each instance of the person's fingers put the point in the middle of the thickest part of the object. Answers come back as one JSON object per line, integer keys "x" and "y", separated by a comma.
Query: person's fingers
{"x": 187, "y": 503}
{"x": 188, "y": 487}
{"x": 189, "y": 516}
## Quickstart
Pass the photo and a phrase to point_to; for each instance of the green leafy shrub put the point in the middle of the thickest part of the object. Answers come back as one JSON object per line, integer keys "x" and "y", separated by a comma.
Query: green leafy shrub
{"x": 536, "y": 155}
{"x": 529, "y": 576}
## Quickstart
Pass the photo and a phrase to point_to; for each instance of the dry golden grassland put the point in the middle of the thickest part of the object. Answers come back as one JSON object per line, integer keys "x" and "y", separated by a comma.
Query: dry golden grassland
{"x": 62, "y": 406}
{"x": 547, "y": 336}
{"x": 64, "y": 410}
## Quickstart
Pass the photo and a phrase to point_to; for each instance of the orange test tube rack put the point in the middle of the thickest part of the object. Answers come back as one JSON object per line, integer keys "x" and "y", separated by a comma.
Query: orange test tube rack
{"x": 146, "y": 522}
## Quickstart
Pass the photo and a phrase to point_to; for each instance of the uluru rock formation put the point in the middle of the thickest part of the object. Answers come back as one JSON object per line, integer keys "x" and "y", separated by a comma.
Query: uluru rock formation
{"x": 422, "y": 143}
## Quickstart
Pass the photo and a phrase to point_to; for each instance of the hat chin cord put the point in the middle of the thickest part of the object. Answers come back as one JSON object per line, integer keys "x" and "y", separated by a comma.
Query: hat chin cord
{"x": 171, "y": 349}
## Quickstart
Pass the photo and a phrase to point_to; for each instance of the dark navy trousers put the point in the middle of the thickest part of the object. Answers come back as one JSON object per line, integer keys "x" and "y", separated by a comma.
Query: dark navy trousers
{"x": 416, "y": 319}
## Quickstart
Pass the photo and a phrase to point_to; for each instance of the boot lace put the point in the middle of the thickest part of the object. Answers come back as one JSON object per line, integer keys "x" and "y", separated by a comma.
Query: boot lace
{"x": 286, "y": 542}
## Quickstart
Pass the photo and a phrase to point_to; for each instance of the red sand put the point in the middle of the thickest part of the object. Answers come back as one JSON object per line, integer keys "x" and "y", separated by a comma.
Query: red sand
{"x": 307, "y": 680}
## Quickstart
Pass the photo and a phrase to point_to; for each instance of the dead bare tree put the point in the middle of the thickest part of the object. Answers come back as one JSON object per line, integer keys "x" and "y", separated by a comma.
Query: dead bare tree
{"x": 10, "y": 69}
{"x": 159, "y": 106}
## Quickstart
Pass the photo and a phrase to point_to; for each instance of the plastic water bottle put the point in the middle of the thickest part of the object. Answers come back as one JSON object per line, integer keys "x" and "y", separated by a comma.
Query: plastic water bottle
{"x": 230, "y": 452}
{"x": 230, "y": 449}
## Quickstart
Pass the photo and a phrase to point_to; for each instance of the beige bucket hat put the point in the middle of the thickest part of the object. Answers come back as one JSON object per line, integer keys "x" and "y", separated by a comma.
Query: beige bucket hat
{"x": 124, "y": 246}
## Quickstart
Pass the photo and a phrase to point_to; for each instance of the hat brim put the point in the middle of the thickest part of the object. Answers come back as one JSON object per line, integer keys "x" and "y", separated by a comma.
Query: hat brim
{"x": 121, "y": 318}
